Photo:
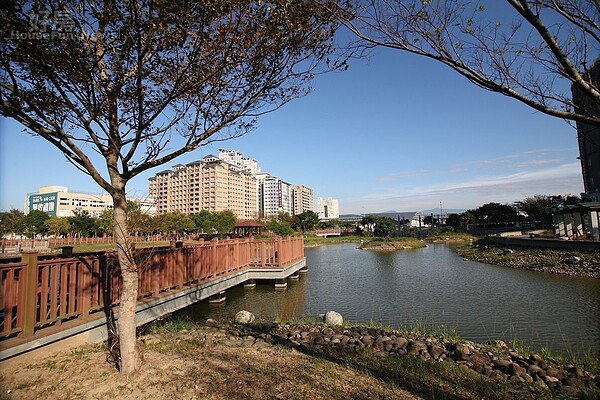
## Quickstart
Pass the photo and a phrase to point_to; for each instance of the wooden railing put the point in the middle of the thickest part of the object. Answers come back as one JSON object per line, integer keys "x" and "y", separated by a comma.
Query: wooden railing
{"x": 38, "y": 292}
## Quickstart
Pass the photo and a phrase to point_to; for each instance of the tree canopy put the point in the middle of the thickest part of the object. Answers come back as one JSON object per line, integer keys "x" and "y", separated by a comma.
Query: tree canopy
{"x": 531, "y": 50}
{"x": 123, "y": 86}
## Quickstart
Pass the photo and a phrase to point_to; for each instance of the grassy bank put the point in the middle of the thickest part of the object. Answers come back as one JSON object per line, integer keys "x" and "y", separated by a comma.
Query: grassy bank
{"x": 187, "y": 360}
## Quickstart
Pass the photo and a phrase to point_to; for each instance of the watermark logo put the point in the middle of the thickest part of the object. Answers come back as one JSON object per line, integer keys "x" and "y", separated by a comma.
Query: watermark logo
{"x": 46, "y": 25}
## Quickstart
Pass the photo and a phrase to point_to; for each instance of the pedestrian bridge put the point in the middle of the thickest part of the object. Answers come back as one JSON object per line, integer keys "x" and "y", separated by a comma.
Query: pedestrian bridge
{"x": 49, "y": 300}
{"x": 327, "y": 232}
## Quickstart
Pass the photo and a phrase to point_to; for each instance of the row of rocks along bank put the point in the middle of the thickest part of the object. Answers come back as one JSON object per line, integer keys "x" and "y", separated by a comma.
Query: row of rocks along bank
{"x": 585, "y": 264}
{"x": 494, "y": 360}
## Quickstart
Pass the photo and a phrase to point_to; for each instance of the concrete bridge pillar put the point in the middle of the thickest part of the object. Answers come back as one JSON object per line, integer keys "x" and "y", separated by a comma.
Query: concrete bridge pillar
{"x": 250, "y": 283}
{"x": 217, "y": 298}
{"x": 295, "y": 276}
{"x": 280, "y": 283}
{"x": 594, "y": 225}
{"x": 577, "y": 226}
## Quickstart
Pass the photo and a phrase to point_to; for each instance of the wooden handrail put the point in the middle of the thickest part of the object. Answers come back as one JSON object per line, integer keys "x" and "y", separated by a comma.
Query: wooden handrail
{"x": 37, "y": 293}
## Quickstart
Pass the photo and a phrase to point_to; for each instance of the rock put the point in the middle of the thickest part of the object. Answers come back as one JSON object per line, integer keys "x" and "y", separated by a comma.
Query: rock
{"x": 327, "y": 331}
{"x": 461, "y": 352}
{"x": 478, "y": 359}
{"x": 211, "y": 322}
{"x": 367, "y": 340}
{"x": 501, "y": 365}
{"x": 400, "y": 343}
{"x": 569, "y": 389}
{"x": 498, "y": 376}
{"x": 244, "y": 317}
{"x": 555, "y": 372}
{"x": 436, "y": 351}
{"x": 550, "y": 380}
{"x": 574, "y": 260}
{"x": 535, "y": 370}
{"x": 578, "y": 372}
{"x": 516, "y": 369}
{"x": 574, "y": 382}
{"x": 333, "y": 318}
{"x": 416, "y": 346}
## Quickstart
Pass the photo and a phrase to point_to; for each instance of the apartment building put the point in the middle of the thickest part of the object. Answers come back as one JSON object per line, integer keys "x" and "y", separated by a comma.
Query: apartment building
{"x": 328, "y": 208}
{"x": 57, "y": 201}
{"x": 236, "y": 158}
{"x": 211, "y": 184}
{"x": 274, "y": 195}
{"x": 302, "y": 199}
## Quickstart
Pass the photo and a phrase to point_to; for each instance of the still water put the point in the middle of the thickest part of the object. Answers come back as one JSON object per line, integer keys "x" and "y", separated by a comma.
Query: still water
{"x": 431, "y": 287}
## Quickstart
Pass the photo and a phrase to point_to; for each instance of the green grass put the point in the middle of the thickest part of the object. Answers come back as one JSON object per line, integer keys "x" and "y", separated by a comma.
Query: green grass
{"x": 174, "y": 323}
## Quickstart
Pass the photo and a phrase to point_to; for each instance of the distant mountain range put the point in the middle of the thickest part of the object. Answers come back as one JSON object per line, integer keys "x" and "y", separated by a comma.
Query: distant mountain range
{"x": 430, "y": 211}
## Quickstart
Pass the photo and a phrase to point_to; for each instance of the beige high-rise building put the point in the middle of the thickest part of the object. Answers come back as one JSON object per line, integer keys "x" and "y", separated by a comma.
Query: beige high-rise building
{"x": 303, "y": 199}
{"x": 210, "y": 184}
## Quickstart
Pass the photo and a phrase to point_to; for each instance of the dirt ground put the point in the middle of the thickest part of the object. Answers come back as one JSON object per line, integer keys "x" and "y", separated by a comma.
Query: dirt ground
{"x": 192, "y": 365}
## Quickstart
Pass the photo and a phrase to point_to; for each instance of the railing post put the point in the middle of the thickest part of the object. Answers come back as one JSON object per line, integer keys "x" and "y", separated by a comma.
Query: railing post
{"x": 29, "y": 296}
{"x": 278, "y": 254}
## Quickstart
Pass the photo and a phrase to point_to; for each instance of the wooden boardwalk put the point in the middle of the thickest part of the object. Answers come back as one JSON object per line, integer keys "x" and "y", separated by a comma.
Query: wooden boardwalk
{"x": 46, "y": 298}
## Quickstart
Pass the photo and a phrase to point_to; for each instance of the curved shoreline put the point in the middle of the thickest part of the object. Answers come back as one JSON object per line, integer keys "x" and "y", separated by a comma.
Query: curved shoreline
{"x": 562, "y": 262}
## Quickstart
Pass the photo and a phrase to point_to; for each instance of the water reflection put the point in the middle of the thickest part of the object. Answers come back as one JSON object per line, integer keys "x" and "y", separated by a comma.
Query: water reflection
{"x": 432, "y": 287}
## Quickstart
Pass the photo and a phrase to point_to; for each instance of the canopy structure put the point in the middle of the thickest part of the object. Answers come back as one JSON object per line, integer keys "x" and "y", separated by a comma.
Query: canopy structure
{"x": 579, "y": 221}
{"x": 248, "y": 228}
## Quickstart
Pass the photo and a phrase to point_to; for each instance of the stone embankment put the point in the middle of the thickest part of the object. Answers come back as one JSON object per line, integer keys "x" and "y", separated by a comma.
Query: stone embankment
{"x": 494, "y": 360}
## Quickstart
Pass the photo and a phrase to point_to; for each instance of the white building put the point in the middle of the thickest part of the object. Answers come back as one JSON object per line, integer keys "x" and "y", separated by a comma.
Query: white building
{"x": 328, "y": 208}
{"x": 274, "y": 195}
{"x": 234, "y": 157}
{"x": 57, "y": 201}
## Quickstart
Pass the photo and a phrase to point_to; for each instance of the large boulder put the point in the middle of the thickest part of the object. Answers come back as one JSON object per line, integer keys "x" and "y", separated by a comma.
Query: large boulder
{"x": 244, "y": 317}
{"x": 333, "y": 318}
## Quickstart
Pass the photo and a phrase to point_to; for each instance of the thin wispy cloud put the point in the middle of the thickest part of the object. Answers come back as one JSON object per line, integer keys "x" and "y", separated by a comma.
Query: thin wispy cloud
{"x": 562, "y": 179}
{"x": 521, "y": 160}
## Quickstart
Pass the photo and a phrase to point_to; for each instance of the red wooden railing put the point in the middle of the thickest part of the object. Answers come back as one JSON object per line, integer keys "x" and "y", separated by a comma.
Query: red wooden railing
{"x": 36, "y": 293}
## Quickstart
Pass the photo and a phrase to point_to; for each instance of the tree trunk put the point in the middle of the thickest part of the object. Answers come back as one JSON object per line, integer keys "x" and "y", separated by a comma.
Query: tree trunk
{"x": 130, "y": 356}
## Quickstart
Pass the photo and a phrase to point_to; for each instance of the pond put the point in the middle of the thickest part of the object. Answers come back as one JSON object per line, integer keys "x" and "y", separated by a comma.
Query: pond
{"x": 431, "y": 288}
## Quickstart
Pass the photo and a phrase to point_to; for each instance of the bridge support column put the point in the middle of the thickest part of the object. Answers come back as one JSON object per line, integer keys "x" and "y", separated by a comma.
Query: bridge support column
{"x": 303, "y": 270}
{"x": 280, "y": 283}
{"x": 594, "y": 225}
{"x": 250, "y": 283}
{"x": 217, "y": 298}
{"x": 295, "y": 276}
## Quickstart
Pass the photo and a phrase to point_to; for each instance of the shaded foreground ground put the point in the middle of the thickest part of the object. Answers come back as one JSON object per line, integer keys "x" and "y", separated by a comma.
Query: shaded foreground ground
{"x": 260, "y": 361}
{"x": 187, "y": 366}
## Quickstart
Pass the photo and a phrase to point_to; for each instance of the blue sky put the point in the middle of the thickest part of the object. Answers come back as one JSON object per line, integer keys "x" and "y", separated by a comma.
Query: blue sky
{"x": 394, "y": 132}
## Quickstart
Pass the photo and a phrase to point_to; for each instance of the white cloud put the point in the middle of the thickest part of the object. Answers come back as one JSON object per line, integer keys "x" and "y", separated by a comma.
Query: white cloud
{"x": 562, "y": 179}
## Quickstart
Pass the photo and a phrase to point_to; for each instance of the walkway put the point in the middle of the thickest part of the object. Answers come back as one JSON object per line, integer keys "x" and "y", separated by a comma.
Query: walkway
{"x": 47, "y": 298}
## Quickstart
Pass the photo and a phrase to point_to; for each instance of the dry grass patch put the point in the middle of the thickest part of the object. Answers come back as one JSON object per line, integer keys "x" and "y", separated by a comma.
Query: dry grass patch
{"x": 189, "y": 368}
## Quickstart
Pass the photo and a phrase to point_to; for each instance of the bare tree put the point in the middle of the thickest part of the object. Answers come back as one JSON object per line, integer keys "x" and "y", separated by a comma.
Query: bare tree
{"x": 535, "y": 51}
{"x": 137, "y": 83}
